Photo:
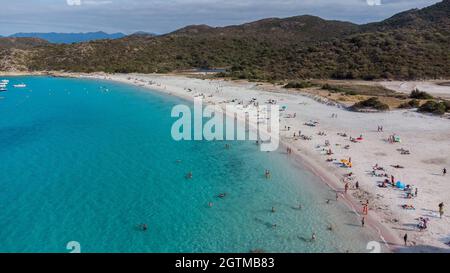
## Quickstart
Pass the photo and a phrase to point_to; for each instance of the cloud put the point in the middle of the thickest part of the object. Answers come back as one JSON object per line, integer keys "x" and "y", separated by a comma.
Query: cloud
{"x": 87, "y": 2}
{"x": 163, "y": 16}
{"x": 96, "y": 3}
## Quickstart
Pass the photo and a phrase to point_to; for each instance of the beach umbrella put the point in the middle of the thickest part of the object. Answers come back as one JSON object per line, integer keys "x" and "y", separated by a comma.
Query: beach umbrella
{"x": 400, "y": 185}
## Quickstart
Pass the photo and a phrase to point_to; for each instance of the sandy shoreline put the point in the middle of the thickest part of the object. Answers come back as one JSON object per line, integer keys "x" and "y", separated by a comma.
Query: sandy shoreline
{"x": 427, "y": 137}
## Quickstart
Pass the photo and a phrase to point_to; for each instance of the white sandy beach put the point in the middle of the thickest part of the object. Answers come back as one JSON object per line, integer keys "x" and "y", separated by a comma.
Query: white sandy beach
{"x": 426, "y": 137}
{"x": 439, "y": 89}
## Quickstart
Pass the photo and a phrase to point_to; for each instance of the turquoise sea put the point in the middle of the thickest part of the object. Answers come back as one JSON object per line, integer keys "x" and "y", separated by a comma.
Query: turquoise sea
{"x": 89, "y": 161}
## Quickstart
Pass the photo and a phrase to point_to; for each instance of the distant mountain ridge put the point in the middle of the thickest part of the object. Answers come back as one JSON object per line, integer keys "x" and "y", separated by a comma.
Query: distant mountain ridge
{"x": 68, "y": 38}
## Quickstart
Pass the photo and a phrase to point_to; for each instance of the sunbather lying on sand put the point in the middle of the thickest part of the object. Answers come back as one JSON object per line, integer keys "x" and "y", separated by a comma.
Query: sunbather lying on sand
{"x": 408, "y": 207}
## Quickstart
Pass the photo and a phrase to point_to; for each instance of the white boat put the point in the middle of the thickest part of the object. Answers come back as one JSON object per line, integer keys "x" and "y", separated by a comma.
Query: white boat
{"x": 20, "y": 85}
{"x": 3, "y": 89}
{"x": 5, "y": 81}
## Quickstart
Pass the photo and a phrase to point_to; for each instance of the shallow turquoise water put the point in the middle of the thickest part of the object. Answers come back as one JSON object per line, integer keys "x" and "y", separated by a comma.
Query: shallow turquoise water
{"x": 88, "y": 161}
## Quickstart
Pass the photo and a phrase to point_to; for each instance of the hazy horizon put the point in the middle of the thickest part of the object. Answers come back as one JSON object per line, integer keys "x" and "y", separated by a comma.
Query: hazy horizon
{"x": 158, "y": 16}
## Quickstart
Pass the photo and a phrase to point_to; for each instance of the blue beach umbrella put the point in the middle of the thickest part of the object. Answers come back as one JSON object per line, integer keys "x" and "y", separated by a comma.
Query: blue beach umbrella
{"x": 400, "y": 185}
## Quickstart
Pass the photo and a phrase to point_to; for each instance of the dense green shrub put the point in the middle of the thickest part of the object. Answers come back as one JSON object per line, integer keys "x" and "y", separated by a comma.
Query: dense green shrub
{"x": 339, "y": 89}
{"x": 420, "y": 95}
{"x": 410, "y": 104}
{"x": 373, "y": 103}
{"x": 447, "y": 105}
{"x": 299, "y": 85}
{"x": 332, "y": 88}
{"x": 434, "y": 107}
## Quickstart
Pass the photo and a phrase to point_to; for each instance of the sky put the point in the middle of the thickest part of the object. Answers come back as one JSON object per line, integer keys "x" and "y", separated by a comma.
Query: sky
{"x": 163, "y": 16}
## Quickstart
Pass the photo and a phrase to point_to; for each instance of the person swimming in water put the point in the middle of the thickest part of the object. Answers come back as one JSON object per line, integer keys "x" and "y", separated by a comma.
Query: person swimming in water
{"x": 267, "y": 174}
{"x": 143, "y": 227}
{"x": 189, "y": 175}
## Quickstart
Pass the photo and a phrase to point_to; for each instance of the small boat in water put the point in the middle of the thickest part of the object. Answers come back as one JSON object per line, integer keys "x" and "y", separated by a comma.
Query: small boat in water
{"x": 20, "y": 85}
{"x": 3, "y": 89}
{"x": 4, "y": 81}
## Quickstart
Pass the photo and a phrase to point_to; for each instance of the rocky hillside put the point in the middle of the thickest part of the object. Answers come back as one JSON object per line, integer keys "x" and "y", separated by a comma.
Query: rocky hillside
{"x": 410, "y": 45}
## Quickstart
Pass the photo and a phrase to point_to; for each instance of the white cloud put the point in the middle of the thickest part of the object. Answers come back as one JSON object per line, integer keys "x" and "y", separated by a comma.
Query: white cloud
{"x": 88, "y": 2}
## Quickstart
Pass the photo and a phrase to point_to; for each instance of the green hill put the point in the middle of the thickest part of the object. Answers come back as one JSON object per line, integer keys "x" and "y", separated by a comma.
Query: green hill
{"x": 410, "y": 45}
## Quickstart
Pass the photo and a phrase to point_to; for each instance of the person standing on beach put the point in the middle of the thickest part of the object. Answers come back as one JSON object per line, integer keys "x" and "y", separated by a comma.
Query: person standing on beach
{"x": 363, "y": 221}
{"x": 346, "y": 187}
{"x": 441, "y": 210}
{"x": 366, "y": 208}
{"x": 357, "y": 185}
{"x": 405, "y": 239}
{"x": 444, "y": 171}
